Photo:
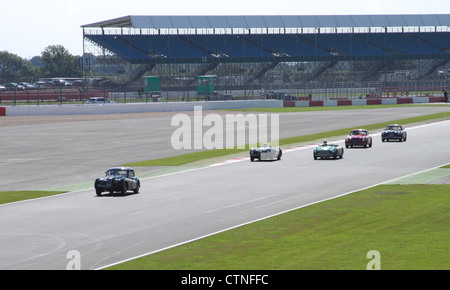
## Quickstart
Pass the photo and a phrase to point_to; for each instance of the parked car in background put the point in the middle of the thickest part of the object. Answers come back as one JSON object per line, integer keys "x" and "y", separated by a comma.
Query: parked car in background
{"x": 14, "y": 86}
{"x": 28, "y": 86}
{"x": 42, "y": 85}
{"x": 2, "y": 88}
{"x": 99, "y": 100}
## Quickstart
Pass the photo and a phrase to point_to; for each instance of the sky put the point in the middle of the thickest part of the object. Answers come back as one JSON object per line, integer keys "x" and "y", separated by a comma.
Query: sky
{"x": 27, "y": 27}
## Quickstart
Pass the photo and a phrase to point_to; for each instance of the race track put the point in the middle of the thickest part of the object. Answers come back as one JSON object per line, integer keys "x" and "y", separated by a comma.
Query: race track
{"x": 38, "y": 156}
{"x": 176, "y": 208}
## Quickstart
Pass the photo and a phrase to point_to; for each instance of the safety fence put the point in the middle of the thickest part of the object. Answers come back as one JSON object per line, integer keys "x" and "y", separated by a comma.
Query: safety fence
{"x": 293, "y": 92}
{"x": 49, "y": 96}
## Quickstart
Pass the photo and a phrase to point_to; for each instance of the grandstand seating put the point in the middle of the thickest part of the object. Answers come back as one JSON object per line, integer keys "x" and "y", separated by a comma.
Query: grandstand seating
{"x": 167, "y": 45}
{"x": 113, "y": 44}
{"x": 440, "y": 40}
{"x": 400, "y": 43}
{"x": 291, "y": 44}
{"x": 242, "y": 46}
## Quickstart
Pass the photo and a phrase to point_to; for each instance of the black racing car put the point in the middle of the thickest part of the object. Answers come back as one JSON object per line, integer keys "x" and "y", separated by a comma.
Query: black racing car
{"x": 394, "y": 132}
{"x": 120, "y": 179}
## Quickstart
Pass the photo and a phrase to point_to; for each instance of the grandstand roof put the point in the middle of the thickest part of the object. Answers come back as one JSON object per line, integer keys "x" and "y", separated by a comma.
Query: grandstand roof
{"x": 274, "y": 21}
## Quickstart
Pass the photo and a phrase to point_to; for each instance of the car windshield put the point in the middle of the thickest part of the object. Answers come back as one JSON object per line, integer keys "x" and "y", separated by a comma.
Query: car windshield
{"x": 393, "y": 128}
{"x": 117, "y": 172}
{"x": 358, "y": 132}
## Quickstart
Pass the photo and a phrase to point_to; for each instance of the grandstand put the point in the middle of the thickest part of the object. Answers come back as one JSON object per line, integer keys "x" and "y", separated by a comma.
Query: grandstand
{"x": 272, "y": 52}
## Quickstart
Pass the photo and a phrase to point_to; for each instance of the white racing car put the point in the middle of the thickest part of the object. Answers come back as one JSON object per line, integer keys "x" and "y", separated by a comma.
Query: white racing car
{"x": 265, "y": 152}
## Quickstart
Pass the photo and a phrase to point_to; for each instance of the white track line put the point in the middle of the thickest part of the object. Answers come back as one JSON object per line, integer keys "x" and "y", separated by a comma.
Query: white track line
{"x": 276, "y": 214}
{"x": 297, "y": 148}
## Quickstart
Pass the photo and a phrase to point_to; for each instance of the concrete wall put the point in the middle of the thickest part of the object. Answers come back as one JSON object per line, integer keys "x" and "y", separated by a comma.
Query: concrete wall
{"x": 134, "y": 108}
{"x": 189, "y": 106}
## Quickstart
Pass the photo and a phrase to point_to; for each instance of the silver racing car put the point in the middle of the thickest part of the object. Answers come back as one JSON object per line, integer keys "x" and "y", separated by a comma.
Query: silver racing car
{"x": 266, "y": 152}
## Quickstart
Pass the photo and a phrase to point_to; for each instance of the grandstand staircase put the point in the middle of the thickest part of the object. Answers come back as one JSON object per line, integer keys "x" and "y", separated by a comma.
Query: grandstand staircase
{"x": 140, "y": 72}
{"x": 203, "y": 70}
{"x": 264, "y": 68}
{"x": 433, "y": 68}
{"x": 376, "y": 70}
{"x": 321, "y": 70}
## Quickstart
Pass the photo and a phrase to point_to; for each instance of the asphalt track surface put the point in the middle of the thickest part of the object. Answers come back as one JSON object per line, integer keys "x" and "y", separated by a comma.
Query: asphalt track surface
{"x": 50, "y": 155}
{"x": 185, "y": 206}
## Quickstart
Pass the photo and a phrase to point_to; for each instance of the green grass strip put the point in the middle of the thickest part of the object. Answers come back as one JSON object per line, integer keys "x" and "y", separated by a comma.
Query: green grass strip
{"x": 192, "y": 157}
{"x": 407, "y": 224}
{"x": 187, "y": 158}
{"x": 14, "y": 196}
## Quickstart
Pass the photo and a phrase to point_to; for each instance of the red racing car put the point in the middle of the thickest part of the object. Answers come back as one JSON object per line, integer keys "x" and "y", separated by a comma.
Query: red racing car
{"x": 358, "y": 137}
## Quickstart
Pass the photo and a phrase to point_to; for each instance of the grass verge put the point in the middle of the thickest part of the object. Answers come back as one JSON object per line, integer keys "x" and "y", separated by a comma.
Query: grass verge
{"x": 191, "y": 157}
{"x": 14, "y": 196}
{"x": 407, "y": 224}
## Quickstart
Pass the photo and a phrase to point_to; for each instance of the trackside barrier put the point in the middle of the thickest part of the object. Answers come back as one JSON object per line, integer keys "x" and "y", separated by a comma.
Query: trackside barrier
{"x": 316, "y": 103}
{"x": 2, "y": 111}
{"x": 289, "y": 104}
{"x": 87, "y": 109}
{"x": 363, "y": 102}
{"x": 344, "y": 102}
{"x": 404, "y": 101}
{"x": 374, "y": 102}
{"x": 436, "y": 99}
{"x": 50, "y": 95}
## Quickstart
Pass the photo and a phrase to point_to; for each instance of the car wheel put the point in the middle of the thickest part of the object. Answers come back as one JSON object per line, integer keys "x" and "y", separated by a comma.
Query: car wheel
{"x": 98, "y": 191}
{"x": 124, "y": 189}
{"x": 137, "y": 188}
{"x": 252, "y": 159}
{"x": 279, "y": 155}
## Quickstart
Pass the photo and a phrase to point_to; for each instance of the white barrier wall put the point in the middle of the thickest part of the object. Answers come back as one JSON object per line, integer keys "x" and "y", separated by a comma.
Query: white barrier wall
{"x": 359, "y": 102}
{"x": 329, "y": 103}
{"x": 389, "y": 101}
{"x": 86, "y": 109}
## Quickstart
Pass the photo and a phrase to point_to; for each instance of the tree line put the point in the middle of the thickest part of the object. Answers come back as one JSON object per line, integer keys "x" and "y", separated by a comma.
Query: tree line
{"x": 55, "y": 61}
